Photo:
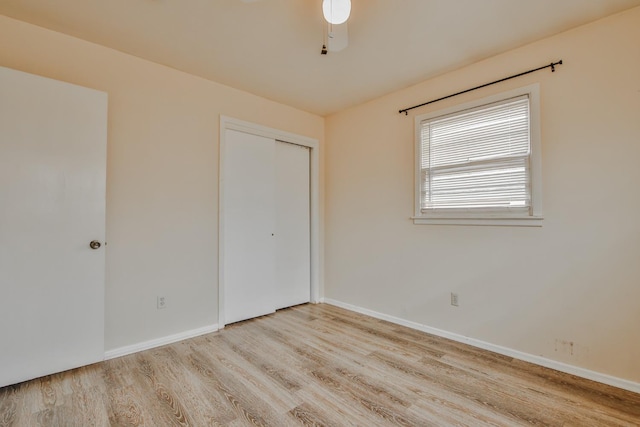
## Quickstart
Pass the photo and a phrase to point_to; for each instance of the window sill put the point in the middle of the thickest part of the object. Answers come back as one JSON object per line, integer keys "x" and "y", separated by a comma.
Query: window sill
{"x": 529, "y": 221}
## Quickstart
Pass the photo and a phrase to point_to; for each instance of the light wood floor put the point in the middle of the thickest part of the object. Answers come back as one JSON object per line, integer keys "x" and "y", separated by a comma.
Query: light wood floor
{"x": 315, "y": 365}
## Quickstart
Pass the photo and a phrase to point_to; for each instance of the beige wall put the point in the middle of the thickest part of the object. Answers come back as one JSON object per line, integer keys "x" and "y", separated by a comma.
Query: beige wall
{"x": 162, "y": 187}
{"x": 575, "y": 280}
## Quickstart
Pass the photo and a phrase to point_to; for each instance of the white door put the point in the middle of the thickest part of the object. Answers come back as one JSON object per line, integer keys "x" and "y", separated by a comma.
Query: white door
{"x": 293, "y": 236}
{"x": 266, "y": 241}
{"x": 52, "y": 205}
{"x": 249, "y": 226}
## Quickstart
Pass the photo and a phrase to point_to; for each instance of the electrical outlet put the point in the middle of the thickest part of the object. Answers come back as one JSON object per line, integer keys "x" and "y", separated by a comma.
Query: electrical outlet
{"x": 454, "y": 299}
{"x": 162, "y": 303}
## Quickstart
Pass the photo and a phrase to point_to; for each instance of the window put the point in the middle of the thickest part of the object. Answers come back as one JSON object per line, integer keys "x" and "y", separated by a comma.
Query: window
{"x": 479, "y": 163}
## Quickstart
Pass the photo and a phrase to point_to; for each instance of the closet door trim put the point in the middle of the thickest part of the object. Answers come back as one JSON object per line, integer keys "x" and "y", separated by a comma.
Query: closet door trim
{"x": 229, "y": 123}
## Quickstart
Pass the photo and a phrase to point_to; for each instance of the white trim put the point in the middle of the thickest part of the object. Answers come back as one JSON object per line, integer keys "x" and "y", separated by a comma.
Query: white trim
{"x": 158, "y": 342}
{"x": 531, "y": 358}
{"x": 419, "y": 217}
{"x": 497, "y": 221}
{"x": 314, "y": 153}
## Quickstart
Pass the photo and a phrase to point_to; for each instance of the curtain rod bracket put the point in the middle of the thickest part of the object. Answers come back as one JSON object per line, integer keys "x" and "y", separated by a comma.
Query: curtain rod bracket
{"x": 553, "y": 70}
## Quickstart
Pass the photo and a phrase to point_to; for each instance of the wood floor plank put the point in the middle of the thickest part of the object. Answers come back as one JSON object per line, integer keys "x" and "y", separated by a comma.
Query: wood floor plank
{"x": 247, "y": 403}
{"x": 126, "y": 408}
{"x": 215, "y": 409}
{"x": 316, "y": 365}
{"x": 381, "y": 371}
{"x": 163, "y": 390}
{"x": 306, "y": 415}
{"x": 199, "y": 404}
{"x": 254, "y": 378}
{"x": 8, "y": 407}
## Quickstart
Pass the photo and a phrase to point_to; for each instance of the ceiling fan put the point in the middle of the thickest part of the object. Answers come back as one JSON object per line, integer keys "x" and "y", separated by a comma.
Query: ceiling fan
{"x": 336, "y": 13}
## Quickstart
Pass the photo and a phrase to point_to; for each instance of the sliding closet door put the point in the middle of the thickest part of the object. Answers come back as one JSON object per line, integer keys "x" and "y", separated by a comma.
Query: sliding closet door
{"x": 249, "y": 226}
{"x": 293, "y": 243}
{"x": 266, "y": 226}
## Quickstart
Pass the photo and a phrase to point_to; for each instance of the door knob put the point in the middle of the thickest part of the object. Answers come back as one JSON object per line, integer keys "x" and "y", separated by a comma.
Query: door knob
{"x": 94, "y": 244}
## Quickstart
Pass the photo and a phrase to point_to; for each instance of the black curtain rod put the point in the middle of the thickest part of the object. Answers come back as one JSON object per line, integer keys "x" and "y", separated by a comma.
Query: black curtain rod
{"x": 552, "y": 66}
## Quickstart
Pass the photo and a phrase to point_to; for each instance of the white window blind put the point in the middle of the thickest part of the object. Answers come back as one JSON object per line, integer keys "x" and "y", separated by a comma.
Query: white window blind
{"x": 477, "y": 159}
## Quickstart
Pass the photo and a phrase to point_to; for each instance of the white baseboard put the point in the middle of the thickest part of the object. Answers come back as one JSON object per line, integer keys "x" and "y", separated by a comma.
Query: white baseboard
{"x": 538, "y": 360}
{"x": 169, "y": 339}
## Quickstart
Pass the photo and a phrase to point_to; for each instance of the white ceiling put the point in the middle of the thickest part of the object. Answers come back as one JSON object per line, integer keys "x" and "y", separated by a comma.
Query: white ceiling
{"x": 272, "y": 47}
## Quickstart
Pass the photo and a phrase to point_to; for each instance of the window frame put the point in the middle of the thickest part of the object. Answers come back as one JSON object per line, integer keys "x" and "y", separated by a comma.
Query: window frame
{"x": 500, "y": 217}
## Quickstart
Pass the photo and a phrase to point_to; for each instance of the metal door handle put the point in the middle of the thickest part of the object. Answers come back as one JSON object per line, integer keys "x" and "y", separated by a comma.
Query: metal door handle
{"x": 94, "y": 244}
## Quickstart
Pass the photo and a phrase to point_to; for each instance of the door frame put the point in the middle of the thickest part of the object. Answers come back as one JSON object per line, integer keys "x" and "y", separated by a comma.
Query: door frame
{"x": 229, "y": 123}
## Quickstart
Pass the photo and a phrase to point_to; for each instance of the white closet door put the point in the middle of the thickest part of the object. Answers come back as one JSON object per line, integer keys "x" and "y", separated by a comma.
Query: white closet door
{"x": 293, "y": 243}
{"x": 249, "y": 226}
{"x": 53, "y": 139}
